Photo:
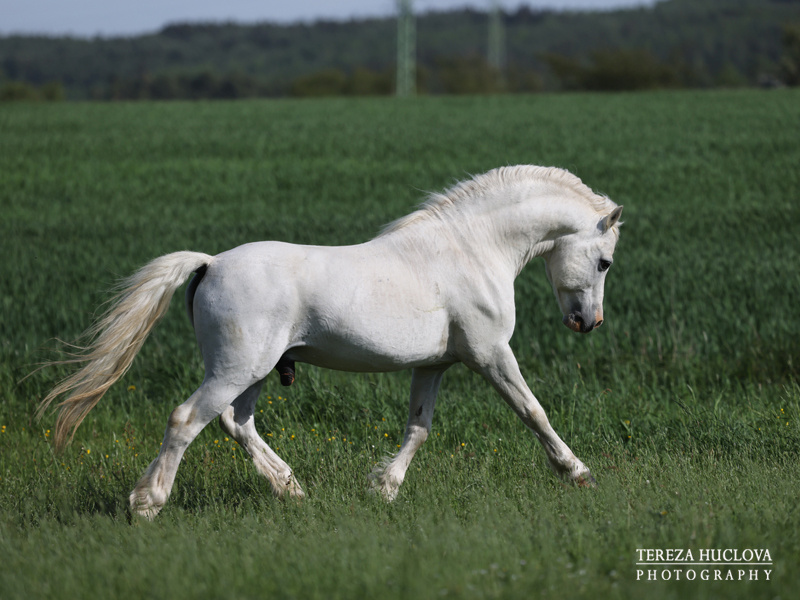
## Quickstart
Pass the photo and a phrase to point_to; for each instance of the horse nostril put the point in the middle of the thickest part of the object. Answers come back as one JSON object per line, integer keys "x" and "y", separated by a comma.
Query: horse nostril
{"x": 574, "y": 321}
{"x": 600, "y": 322}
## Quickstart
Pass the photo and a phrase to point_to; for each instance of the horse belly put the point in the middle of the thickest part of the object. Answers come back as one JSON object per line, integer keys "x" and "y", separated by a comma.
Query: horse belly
{"x": 373, "y": 345}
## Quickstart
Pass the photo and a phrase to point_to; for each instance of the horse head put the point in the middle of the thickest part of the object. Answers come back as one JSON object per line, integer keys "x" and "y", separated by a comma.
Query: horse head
{"x": 577, "y": 267}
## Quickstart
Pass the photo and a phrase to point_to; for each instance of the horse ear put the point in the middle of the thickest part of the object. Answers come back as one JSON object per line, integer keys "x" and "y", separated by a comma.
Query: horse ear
{"x": 611, "y": 219}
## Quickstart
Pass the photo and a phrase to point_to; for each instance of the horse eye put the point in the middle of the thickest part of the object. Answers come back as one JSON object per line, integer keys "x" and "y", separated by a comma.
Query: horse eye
{"x": 604, "y": 264}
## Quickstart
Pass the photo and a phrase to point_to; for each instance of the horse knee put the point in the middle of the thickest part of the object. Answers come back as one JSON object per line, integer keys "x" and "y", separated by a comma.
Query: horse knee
{"x": 182, "y": 416}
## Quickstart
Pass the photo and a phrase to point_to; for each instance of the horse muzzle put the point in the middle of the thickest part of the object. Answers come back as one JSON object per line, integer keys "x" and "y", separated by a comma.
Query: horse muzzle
{"x": 578, "y": 324}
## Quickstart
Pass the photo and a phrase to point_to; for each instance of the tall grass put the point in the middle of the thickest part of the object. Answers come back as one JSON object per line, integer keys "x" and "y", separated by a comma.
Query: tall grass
{"x": 685, "y": 404}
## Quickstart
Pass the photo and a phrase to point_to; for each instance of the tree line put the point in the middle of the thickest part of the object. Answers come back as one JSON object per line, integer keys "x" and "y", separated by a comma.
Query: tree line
{"x": 675, "y": 43}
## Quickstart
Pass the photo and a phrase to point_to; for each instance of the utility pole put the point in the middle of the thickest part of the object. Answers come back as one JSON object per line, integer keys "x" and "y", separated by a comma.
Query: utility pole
{"x": 406, "y": 49}
{"x": 497, "y": 42}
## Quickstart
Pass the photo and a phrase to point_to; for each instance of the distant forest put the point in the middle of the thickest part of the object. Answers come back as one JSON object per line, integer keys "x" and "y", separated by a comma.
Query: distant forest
{"x": 676, "y": 43}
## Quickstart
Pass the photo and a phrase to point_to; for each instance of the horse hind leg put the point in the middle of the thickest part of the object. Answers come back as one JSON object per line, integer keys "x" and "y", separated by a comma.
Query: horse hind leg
{"x": 186, "y": 421}
{"x": 389, "y": 475}
{"x": 237, "y": 421}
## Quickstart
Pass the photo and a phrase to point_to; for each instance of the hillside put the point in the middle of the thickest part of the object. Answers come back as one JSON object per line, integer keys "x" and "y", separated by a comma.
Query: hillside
{"x": 676, "y": 43}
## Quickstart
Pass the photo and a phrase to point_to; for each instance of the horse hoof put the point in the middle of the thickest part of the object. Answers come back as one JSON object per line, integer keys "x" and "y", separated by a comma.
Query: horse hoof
{"x": 380, "y": 486}
{"x": 142, "y": 506}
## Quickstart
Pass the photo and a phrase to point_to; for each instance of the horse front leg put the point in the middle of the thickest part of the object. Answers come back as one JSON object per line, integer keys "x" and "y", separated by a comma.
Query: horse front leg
{"x": 387, "y": 476}
{"x": 503, "y": 373}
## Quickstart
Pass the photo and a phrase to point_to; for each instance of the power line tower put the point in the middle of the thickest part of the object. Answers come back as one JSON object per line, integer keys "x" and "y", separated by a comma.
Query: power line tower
{"x": 406, "y": 49}
{"x": 497, "y": 42}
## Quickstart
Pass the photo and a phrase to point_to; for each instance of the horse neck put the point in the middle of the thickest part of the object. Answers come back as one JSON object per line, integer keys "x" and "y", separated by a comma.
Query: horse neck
{"x": 528, "y": 225}
{"x": 511, "y": 226}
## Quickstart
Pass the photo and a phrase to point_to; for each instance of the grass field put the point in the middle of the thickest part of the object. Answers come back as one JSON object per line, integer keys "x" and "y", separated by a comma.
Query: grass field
{"x": 685, "y": 405}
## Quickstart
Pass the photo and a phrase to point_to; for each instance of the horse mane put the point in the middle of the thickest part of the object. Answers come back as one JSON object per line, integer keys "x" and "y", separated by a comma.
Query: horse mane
{"x": 438, "y": 203}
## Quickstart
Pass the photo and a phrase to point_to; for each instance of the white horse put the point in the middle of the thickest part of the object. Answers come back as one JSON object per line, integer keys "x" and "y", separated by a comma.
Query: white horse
{"x": 432, "y": 289}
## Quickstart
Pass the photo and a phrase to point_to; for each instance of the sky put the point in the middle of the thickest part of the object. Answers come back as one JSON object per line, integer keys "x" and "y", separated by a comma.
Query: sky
{"x": 88, "y": 18}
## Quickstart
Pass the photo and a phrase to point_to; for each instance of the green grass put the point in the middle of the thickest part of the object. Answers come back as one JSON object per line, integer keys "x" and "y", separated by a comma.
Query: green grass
{"x": 685, "y": 404}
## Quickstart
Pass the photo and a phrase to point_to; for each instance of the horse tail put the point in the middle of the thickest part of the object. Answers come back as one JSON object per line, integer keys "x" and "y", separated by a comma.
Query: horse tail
{"x": 117, "y": 336}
